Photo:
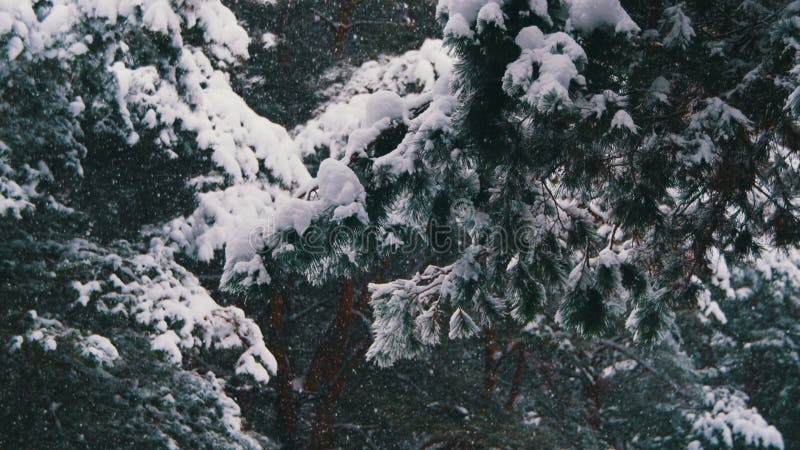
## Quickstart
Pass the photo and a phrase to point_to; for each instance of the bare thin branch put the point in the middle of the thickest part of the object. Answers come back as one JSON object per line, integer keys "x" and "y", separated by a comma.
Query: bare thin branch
{"x": 328, "y": 21}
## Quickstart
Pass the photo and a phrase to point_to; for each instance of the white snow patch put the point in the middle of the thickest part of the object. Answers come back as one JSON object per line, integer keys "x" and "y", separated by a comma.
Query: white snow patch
{"x": 623, "y": 121}
{"x": 85, "y": 291}
{"x": 588, "y": 15}
{"x": 99, "y": 349}
{"x": 383, "y": 105}
{"x": 167, "y": 342}
{"x": 339, "y": 186}
{"x": 557, "y": 57}
{"x": 269, "y": 40}
{"x": 490, "y": 13}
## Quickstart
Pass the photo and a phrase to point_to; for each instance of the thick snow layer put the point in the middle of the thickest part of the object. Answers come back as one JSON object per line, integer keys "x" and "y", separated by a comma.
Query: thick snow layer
{"x": 253, "y": 362}
{"x": 468, "y": 9}
{"x": 338, "y": 185}
{"x": 49, "y": 35}
{"x": 365, "y": 99}
{"x": 333, "y": 127}
{"x": 171, "y": 305}
{"x": 556, "y": 57}
{"x": 457, "y": 27}
{"x": 491, "y": 14}
{"x": 85, "y": 291}
{"x": 462, "y": 15}
{"x": 433, "y": 125}
{"x": 539, "y": 7}
{"x": 100, "y": 349}
{"x": 718, "y": 121}
{"x": 346, "y": 126}
{"x": 681, "y": 32}
{"x": 197, "y": 99}
{"x": 242, "y": 142}
{"x": 530, "y": 38}
{"x": 383, "y": 105}
{"x": 222, "y": 32}
{"x": 337, "y": 190}
{"x": 222, "y": 217}
{"x": 167, "y": 343}
{"x": 588, "y": 15}
{"x": 159, "y": 17}
{"x": 729, "y": 420}
{"x": 410, "y": 73}
{"x": 623, "y": 121}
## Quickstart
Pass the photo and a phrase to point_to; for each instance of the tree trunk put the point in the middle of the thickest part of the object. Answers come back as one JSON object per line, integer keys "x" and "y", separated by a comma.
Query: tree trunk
{"x": 327, "y": 367}
{"x": 328, "y": 370}
{"x": 516, "y": 379}
{"x": 341, "y": 329}
{"x": 492, "y": 362}
{"x": 323, "y": 365}
{"x": 287, "y": 399}
{"x": 284, "y": 51}
{"x": 342, "y": 27}
{"x": 596, "y": 394}
{"x": 322, "y": 435}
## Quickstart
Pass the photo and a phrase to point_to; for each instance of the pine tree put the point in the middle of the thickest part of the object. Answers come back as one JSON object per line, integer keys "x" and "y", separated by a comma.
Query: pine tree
{"x": 314, "y": 44}
{"x": 116, "y": 116}
{"x": 579, "y": 156}
{"x": 558, "y": 172}
{"x": 745, "y": 342}
{"x": 599, "y": 160}
{"x": 316, "y": 253}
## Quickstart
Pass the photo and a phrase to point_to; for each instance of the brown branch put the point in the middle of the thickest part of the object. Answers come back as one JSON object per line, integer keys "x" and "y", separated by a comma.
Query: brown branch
{"x": 516, "y": 379}
{"x": 372, "y": 22}
{"x": 555, "y": 203}
{"x": 492, "y": 363}
{"x": 596, "y": 387}
{"x": 328, "y": 21}
{"x": 306, "y": 310}
{"x": 631, "y": 354}
{"x": 613, "y": 234}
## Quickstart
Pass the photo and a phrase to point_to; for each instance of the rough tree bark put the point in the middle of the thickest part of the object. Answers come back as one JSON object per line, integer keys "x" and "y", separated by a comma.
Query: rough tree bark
{"x": 516, "y": 379}
{"x": 343, "y": 27}
{"x": 331, "y": 370}
{"x": 492, "y": 362}
{"x": 287, "y": 398}
{"x": 334, "y": 342}
{"x": 322, "y": 435}
{"x": 596, "y": 395}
